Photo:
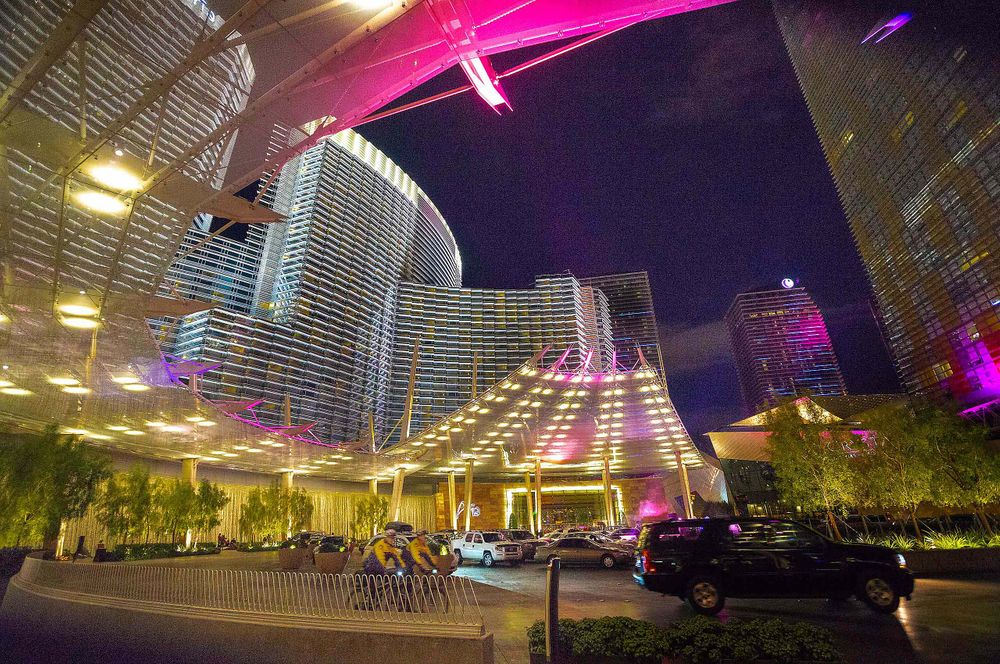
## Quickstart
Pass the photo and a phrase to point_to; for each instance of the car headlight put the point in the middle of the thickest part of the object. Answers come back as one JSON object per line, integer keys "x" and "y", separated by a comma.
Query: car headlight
{"x": 900, "y": 560}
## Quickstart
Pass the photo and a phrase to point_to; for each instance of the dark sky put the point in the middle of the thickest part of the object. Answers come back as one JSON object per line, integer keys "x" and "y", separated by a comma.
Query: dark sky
{"x": 682, "y": 147}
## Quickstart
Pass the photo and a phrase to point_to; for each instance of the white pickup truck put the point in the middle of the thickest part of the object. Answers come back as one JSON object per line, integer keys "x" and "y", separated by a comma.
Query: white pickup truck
{"x": 488, "y": 547}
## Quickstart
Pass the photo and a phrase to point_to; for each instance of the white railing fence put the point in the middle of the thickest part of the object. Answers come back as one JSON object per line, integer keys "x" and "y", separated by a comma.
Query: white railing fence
{"x": 430, "y": 599}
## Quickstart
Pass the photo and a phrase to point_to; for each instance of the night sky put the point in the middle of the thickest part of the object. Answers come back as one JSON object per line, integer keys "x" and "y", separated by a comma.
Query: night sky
{"x": 682, "y": 147}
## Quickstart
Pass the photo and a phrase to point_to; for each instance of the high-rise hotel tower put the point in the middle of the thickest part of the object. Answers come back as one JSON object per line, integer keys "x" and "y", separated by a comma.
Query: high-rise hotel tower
{"x": 905, "y": 98}
{"x": 781, "y": 346}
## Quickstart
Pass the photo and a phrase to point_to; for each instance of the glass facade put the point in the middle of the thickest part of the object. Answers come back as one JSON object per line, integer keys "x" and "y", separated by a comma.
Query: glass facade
{"x": 321, "y": 324}
{"x": 501, "y": 328}
{"x": 905, "y": 99}
{"x": 633, "y": 320}
{"x": 781, "y": 347}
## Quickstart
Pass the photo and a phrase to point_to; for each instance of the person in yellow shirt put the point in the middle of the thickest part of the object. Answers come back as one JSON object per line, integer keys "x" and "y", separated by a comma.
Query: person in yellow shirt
{"x": 418, "y": 554}
{"x": 384, "y": 556}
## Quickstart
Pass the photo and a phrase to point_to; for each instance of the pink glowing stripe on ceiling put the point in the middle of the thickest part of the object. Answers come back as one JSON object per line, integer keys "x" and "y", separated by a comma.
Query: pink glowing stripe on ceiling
{"x": 889, "y": 27}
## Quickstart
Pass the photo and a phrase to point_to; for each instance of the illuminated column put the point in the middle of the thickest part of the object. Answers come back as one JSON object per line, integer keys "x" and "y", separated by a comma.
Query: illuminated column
{"x": 373, "y": 486}
{"x": 608, "y": 502}
{"x": 682, "y": 472}
{"x": 189, "y": 473}
{"x": 531, "y": 511}
{"x": 468, "y": 494}
{"x": 286, "y": 479}
{"x": 538, "y": 495}
{"x": 452, "y": 505}
{"x": 397, "y": 494}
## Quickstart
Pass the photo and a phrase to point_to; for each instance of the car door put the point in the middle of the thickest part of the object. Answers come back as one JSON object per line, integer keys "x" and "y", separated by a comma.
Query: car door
{"x": 568, "y": 550}
{"x": 469, "y": 547}
{"x": 750, "y": 567}
{"x": 805, "y": 562}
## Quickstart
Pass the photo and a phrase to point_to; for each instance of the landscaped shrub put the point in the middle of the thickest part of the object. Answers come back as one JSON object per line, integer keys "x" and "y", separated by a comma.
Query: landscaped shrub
{"x": 697, "y": 640}
{"x": 254, "y": 548}
{"x": 933, "y": 540}
{"x": 11, "y": 560}
{"x": 125, "y": 552}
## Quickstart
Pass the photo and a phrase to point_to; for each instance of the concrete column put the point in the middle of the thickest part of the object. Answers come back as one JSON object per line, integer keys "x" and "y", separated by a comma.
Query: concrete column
{"x": 373, "y": 486}
{"x": 287, "y": 479}
{"x": 531, "y": 509}
{"x": 452, "y": 502}
{"x": 468, "y": 494}
{"x": 685, "y": 485}
{"x": 609, "y": 508}
{"x": 189, "y": 471}
{"x": 538, "y": 496}
{"x": 397, "y": 494}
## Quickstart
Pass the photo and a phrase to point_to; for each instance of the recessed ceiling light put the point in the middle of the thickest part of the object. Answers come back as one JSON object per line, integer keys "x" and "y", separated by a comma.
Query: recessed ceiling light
{"x": 78, "y": 310}
{"x": 80, "y": 323}
{"x": 63, "y": 380}
{"x": 76, "y": 389}
{"x": 98, "y": 201}
{"x": 135, "y": 387}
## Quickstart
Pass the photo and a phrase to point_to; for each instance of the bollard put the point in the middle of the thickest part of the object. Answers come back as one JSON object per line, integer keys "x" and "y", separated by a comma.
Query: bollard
{"x": 552, "y": 611}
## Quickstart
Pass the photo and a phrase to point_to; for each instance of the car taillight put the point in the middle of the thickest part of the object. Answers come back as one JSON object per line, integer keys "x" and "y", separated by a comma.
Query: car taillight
{"x": 647, "y": 564}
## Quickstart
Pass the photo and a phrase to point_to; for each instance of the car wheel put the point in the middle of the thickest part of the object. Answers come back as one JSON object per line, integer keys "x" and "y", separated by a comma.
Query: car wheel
{"x": 878, "y": 593}
{"x": 704, "y": 594}
{"x": 607, "y": 561}
{"x": 488, "y": 559}
{"x": 460, "y": 558}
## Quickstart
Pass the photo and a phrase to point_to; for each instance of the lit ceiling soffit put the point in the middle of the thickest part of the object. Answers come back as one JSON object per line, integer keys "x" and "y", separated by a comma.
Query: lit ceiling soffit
{"x": 569, "y": 418}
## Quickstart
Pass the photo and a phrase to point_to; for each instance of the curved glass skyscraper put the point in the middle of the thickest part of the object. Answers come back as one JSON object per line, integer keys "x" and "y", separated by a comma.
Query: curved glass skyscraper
{"x": 320, "y": 328}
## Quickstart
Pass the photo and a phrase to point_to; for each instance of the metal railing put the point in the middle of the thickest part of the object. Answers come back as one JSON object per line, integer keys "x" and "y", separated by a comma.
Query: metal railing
{"x": 428, "y": 599}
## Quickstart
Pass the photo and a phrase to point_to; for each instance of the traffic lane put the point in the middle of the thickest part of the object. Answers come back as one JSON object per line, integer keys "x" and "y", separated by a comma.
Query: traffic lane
{"x": 948, "y": 620}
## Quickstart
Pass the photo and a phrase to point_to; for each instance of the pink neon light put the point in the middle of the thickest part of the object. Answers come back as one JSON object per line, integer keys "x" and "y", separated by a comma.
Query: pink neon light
{"x": 889, "y": 26}
{"x": 484, "y": 79}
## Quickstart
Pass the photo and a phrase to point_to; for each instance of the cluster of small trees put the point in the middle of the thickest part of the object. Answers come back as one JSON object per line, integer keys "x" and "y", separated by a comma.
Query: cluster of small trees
{"x": 134, "y": 507}
{"x": 45, "y": 479}
{"x": 274, "y": 511}
{"x": 370, "y": 515}
{"x": 902, "y": 457}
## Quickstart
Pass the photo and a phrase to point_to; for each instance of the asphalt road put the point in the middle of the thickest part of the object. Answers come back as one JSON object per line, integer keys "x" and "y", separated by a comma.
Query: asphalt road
{"x": 948, "y": 620}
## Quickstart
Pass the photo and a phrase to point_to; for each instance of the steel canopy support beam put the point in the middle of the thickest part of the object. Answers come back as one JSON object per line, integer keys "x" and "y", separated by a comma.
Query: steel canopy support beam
{"x": 69, "y": 28}
{"x": 468, "y": 494}
{"x": 528, "y": 495}
{"x": 608, "y": 502}
{"x": 538, "y": 494}
{"x": 682, "y": 472}
{"x": 397, "y": 494}
{"x": 452, "y": 504}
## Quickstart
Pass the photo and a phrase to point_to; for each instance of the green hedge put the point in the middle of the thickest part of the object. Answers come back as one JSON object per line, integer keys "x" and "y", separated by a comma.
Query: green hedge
{"x": 696, "y": 640}
{"x": 125, "y": 552}
{"x": 255, "y": 548}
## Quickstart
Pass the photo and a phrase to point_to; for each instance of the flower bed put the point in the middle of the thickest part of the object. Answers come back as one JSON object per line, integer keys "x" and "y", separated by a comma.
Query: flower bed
{"x": 694, "y": 640}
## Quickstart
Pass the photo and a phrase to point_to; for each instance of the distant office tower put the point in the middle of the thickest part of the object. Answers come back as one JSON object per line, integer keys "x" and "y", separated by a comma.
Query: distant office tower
{"x": 781, "y": 346}
{"x": 501, "y": 328}
{"x": 97, "y": 242}
{"x": 320, "y": 329}
{"x": 633, "y": 321}
{"x": 906, "y": 103}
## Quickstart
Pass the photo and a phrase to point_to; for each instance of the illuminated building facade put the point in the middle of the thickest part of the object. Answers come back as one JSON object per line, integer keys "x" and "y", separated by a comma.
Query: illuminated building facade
{"x": 320, "y": 328}
{"x": 781, "y": 346}
{"x": 906, "y": 106}
{"x": 501, "y": 328}
{"x": 633, "y": 320}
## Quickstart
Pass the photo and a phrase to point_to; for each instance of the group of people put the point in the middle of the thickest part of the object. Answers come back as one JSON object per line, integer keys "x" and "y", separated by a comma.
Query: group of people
{"x": 386, "y": 557}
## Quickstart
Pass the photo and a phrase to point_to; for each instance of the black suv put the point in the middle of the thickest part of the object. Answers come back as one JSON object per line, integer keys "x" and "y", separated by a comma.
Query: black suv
{"x": 706, "y": 560}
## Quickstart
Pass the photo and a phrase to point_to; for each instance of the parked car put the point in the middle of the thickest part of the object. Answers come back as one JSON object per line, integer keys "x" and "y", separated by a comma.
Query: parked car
{"x": 436, "y": 544}
{"x": 624, "y": 545}
{"x": 582, "y": 551}
{"x": 489, "y": 548}
{"x": 630, "y": 534}
{"x": 704, "y": 561}
{"x": 529, "y": 543}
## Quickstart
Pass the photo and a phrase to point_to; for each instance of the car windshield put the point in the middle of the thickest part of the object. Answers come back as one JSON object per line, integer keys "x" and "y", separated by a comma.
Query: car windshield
{"x": 492, "y": 537}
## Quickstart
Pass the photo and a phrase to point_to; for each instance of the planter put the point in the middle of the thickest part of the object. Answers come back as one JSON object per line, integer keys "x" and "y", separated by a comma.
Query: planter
{"x": 331, "y": 563}
{"x": 932, "y": 562}
{"x": 443, "y": 564}
{"x": 291, "y": 558}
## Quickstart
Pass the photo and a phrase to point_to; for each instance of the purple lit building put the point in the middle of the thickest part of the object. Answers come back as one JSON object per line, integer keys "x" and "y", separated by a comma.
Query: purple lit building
{"x": 781, "y": 346}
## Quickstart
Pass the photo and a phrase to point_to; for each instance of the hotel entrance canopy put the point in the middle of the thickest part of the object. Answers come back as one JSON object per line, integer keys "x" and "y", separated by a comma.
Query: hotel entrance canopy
{"x": 568, "y": 419}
